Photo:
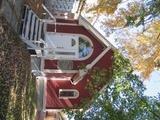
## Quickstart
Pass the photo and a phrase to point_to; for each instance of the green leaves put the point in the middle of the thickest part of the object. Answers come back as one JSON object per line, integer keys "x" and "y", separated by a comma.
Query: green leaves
{"x": 123, "y": 99}
{"x": 99, "y": 78}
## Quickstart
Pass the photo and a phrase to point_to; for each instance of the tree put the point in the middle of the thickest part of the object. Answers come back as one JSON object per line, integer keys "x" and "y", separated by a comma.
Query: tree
{"x": 123, "y": 99}
{"x": 134, "y": 13}
{"x": 122, "y": 17}
{"x": 144, "y": 50}
{"x": 117, "y": 16}
{"x": 103, "y": 7}
{"x": 145, "y": 53}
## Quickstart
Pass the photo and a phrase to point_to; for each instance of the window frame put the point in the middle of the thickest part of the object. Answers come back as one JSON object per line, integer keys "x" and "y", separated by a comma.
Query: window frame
{"x": 69, "y": 97}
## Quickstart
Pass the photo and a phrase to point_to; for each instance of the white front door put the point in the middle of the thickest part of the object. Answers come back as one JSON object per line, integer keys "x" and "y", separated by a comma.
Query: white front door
{"x": 63, "y": 46}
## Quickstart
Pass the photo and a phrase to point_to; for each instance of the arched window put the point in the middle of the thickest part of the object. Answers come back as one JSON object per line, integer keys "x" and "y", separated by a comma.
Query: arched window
{"x": 85, "y": 48}
{"x": 65, "y": 46}
{"x": 68, "y": 93}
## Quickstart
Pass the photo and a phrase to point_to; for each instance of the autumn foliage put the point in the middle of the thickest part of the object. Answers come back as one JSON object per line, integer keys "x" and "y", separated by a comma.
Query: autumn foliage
{"x": 142, "y": 48}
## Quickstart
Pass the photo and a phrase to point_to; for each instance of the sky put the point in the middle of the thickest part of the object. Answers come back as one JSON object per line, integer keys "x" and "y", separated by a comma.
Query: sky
{"x": 153, "y": 83}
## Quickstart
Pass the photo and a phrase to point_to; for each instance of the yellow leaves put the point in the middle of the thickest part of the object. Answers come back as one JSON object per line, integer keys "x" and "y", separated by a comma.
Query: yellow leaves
{"x": 145, "y": 53}
{"x": 116, "y": 21}
{"x": 105, "y": 7}
{"x": 134, "y": 8}
{"x": 147, "y": 67}
{"x": 109, "y": 7}
{"x": 144, "y": 49}
{"x": 157, "y": 62}
{"x": 120, "y": 19}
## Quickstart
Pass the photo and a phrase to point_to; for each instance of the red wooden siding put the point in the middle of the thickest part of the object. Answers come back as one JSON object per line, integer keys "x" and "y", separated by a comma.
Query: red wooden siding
{"x": 53, "y": 87}
{"x": 56, "y": 81}
{"x": 97, "y": 47}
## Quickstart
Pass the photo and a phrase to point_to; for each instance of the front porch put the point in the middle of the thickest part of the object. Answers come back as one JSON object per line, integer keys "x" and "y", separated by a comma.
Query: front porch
{"x": 65, "y": 51}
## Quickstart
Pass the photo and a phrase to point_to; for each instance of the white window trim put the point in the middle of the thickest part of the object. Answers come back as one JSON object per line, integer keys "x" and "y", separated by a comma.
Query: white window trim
{"x": 74, "y": 97}
{"x": 79, "y": 59}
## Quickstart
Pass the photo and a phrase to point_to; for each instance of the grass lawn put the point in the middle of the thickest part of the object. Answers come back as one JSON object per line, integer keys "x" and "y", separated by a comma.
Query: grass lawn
{"x": 17, "y": 85}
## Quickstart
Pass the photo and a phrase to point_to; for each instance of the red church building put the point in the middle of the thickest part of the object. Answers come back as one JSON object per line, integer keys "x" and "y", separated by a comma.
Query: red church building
{"x": 65, "y": 49}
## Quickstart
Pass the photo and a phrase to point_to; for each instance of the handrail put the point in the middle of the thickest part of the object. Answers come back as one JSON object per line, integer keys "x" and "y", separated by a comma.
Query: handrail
{"x": 50, "y": 14}
{"x": 87, "y": 25}
{"x": 44, "y": 20}
{"x": 30, "y": 43}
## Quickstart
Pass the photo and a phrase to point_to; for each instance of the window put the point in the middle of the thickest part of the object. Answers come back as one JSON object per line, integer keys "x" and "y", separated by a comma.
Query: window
{"x": 68, "y": 46}
{"x": 73, "y": 42}
{"x": 68, "y": 93}
{"x": 85, "y": 48}
{"x": 65, "y": 53}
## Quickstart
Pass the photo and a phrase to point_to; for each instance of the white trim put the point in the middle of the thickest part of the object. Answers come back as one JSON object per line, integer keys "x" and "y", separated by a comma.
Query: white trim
{"x": 33, "y": 55}
{"x": 49, "y": 21}
{"x": 39, "y": 53}
{"x": 36, "y": 30}
{"x": 37, "y": 94}
{"x": 92, "y": 47}
{"x": 79, "y": 35}
{"x": 42, "y": 64}
{"x": 28, "y": 7}
{"x": 69, "y": 97}
{"x": 89, "y": 66}
{"x": 60, "y": 71}
{"x": 43, "y": 102}
{"x": 44, "y": 94}
{"x": 88, "y": 26}
{"x": 83, "y": 72}
{"x": 50, "y": 14}
{"x": 29, "y": 42}
{"x": 32, "y": 26}
{"x": 40, "y": 30}
{"x": 45, "y": 29}
{"x": 24, "y": 21}
{"x": 27, "y": 25}
{"x": 103, "y": 88}
{"x": 54, "y": 110}
{"x": 59, "y": 78}
{"x": 68, "y": 24}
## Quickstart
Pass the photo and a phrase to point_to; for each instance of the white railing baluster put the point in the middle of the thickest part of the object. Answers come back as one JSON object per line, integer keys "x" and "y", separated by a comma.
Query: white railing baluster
{"x": 32, "y": 26}
{"x": 27, "y": 25}
{"x": 35, "y": 29}
{"x": 40, "y": 30}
